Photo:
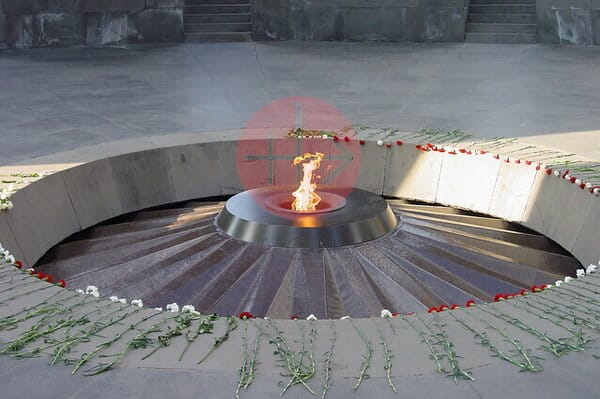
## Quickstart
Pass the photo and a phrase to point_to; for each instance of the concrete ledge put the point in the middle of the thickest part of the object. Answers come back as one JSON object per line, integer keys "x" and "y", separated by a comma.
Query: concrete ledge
{"x": 61, "y": 204}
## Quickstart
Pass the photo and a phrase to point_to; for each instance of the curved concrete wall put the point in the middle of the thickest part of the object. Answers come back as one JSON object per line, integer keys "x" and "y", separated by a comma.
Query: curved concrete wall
{"x": 65, "y": 202}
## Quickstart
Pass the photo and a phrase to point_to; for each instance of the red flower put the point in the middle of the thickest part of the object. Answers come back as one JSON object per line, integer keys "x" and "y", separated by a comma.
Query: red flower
{"x": 418, "y": 146}
{"x": 432, "y": 310}
{"x": 482, "y": 152}
{"x": 361, "y": 142}
{"x": 518, "y": 161}
{"x": 469, "y": 152}
{"x": 388, "y": 145}
{"x": 336, "y": 138}
{"x": 61, "y": 283}
{"x": 572, "y": 179}
{"x": 543, "y": 287}
{"x": 509, "y": 296}
{"x": 394, "y": 314}
{"x": 441, "y": 150}
{"x": 470, "y": 303}
{"x": 527, "y": 162}
{"x": 499, "y": 297}
{"x": 523, "y": 292}
{"x": 535, "y": 288}
{"x": 548, "y": 171}
{"x": 454, "y": 306}
{"x": 47, "y": 278}
{"x": 429, "y": 145}
{"x": 346, "y": 139}
{"x": 538, "y": 167}
{"x": 18, "y": 264}
{"x": 294, "y": 318}
{"x": 582, "y": 186}
{"x": 246, "y": 315}
{"x": 399, "y": 142}
{"x": 443, "y": 307}
{"x": 462, "y": 150}
{"x": 507, "y": 160}
{"x": 452, "y": 152}
{"x": 497, "y": 156}
{"x": 411, "y": 314}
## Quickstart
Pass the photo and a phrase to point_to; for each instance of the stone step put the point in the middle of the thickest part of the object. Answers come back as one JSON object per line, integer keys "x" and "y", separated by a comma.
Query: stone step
{"x": 217, "y": 9}
{"x": 503, "y": 18}
{"x": 214, "y": 2}
{"x": 501, "y": 9}
{"x": 217, "y": 27}
{"x": 218, "y": 18}
{"x": 218, "y": 37}
{"x": 499, "y": 2}
{"x": 500, "y": 28}
{"x": 500, "y": 38}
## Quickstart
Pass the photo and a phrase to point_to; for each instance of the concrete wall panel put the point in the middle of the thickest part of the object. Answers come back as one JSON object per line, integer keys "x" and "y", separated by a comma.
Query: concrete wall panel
{"x": 465, "y": 186}
{"x": 512, "y": 190}
{"x": 43, "y": 215}
{"x": 412, "y": 174}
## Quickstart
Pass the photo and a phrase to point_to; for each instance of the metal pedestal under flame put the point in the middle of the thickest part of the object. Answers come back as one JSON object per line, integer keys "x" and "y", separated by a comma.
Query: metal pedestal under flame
{"x": 263, "y": 215}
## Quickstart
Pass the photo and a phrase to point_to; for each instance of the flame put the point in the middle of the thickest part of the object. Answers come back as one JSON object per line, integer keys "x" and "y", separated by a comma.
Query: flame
{"x": 306, "y": 199}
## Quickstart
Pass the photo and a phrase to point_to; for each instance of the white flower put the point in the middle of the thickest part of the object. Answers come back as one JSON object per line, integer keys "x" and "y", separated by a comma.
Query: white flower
{"x": 311, "y": 317}
{"x": 567, "y": 177}
{"x": 344, "y": 317}
{"x": 556, "y": 173}
{"x": 114, "y": 298}
{"x": 138, "y": 303}
{"x": 267, "y": 318}
{"x": 379, "y": 143}
{"x": 591, "y": 269}
{"x": 568, "y": 279}
{"x": 558, "y": 283}
{"x": 580, "y": 272}
{"x": 596, "y": 191}
{"x": 386, "y": 313}
{"x": 548, "y": 286}
{"x": 578, "y": 181}
{"x": 90, "y": 289}
{"x": 173, "y": 307}
{"x": 31, "y": 270}
{"x": 188, "y": 309}
{"x": 588, "y": 185}
{"x": 325, "y": 137}
{"x": 79, "y": 291}
{"x": 123, "y": 301}
{"x": 10, "y": 259}
{"x": 158, "y": 309}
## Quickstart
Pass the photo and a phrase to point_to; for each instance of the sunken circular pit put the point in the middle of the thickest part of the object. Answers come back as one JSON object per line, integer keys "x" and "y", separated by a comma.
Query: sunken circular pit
{"x": 434, "y": 254}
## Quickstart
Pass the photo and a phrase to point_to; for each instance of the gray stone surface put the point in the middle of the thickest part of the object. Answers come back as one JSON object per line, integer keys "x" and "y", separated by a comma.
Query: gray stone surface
{"x": 106, "y": 28}
{"x": 111, "y": 5}
{"x": 154, "y": 26}
{"x": 119, "y": 94}
{"x": 568, "y": 22}
{"x": 359, "y": 20}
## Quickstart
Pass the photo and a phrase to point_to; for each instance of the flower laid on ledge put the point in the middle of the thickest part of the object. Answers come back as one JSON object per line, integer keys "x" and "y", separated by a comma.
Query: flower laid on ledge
{"x": 386, "y": 313}
{"x": 92, "y": 290}
{"x": 246, "y": 315}
{"x": 189, "y": 309}
{"x": 591, "y": 269}
{"x": 470, "y": 303}
{"x": 5, "y": 194}
{"x": 173, "y": 307}
{"x": 311, "y": 317}
{"x": 138, "y": 303}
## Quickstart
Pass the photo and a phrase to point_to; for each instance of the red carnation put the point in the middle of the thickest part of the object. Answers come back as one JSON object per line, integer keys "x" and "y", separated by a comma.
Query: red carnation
{"x": 528, "y": 162}
{"x": 394, "y": 314}
{"x": 47, "y": 278}
{"x": 582, "y": 186}
{"x": 535, "y": 288}
{"x": 346, "y": 139}
{"x": 61, "y": 283}
{"x": 538, "y": 167}
{"x": 482, "y": 152}
{"x": 418, "y": 146}
{"x": 469, "y": 152}
{"x": 246, "y": 315}
{"x": 441, "y": 150}
{"x": 454, "y": 306}
{"x": 523, "y": 292}
{"x": 18, "y": 264}
{"x": 462, "y": 150}
{"x": 497, "y": 156}
{"x": 507, "y": 160}
{"x": 518, "y": 161}
{"x": 499, "y": 297}
{"x": 543, "y": 287}
{"x": 548, "y": 171}
{"x": 572, "y": 179}
{"x": 336, "y": 138}
{"x": 388, "y": 145}
{"x": 429, "y": 145}
{"x": 294, "y": 318}
{"x": 452, "y": 152}
{"x": 399, "y": 142}
{"x": 470, "y": 303}
{"x": 432, "y": 310}
{"x": 361, "y": 142}
{"x": 443, "y": 307}
{"x": 411, "y": 314}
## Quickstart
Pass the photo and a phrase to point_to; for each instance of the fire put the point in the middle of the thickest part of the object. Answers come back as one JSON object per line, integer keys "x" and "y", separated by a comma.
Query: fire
{"x": 306, "y": 199}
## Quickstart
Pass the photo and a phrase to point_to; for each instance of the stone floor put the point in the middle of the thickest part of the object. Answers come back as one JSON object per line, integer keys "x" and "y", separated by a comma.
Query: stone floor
{"x": 52, "y": 100}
